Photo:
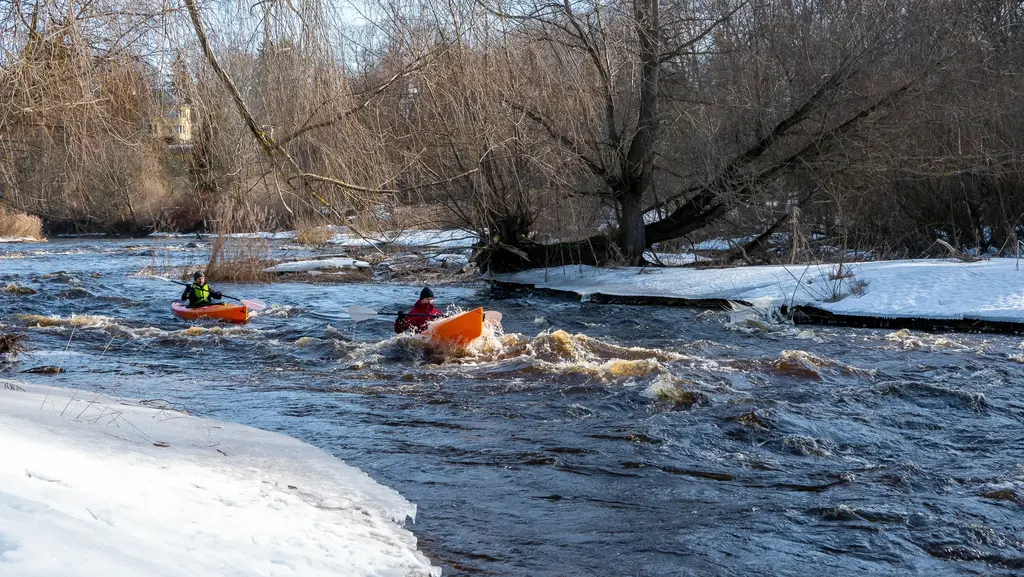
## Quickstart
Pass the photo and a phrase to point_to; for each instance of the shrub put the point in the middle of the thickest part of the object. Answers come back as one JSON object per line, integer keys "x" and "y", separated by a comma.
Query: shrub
{"x": 238, "y": 260}
{"x": 20, "y": 225}
{"x": 312, "y": 232}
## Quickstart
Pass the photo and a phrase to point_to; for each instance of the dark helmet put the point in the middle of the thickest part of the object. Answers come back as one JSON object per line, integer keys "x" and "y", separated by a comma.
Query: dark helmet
{"x": 197, "y": 274}
{"x": 426, "y": 293}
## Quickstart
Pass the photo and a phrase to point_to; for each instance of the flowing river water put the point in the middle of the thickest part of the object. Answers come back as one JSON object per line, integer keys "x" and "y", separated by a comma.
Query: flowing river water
{"x": 588, "y": 439}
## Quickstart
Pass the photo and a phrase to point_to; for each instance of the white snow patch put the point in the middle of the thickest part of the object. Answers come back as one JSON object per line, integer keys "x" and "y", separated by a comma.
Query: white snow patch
{"x": 719, "y": 244}
{"x": 991, "y": 290}
{"x": 673, "y": 258}
{"x": 91, "y": 486}
{"x": 321, "y": 264}
{"x": 448, "y": 239}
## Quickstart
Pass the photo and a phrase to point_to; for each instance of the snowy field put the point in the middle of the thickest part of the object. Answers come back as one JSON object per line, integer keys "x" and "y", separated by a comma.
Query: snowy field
{"x": 990, "y": 290}
{"x": 93, "y": 486}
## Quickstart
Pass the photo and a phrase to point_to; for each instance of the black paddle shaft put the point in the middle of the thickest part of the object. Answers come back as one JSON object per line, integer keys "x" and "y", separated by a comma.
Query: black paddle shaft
{"x": 189, "y": 284}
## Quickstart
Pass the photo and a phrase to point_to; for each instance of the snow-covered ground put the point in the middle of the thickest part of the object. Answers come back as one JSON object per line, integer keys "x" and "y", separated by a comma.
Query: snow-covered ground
{"x": 991, "y": 290}
{"x": 91, "y": 485}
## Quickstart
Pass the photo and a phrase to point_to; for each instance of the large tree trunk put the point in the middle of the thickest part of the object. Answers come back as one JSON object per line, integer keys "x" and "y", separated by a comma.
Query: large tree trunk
{"x": 632, "y": 238}
{"x": 638, "y": 163}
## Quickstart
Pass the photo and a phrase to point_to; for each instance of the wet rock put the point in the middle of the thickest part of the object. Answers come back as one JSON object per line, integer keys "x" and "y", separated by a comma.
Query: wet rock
{"x": 19, "y": 290}
{"x": 60, "y": 277}
{"x": 191, "y": 245}
{"x": 450, "y": 261}
{"x": 45, "y": 370}
{"x": 74, "y": 293}
{"x": 1004, "y": 495}
{"x": 751, "y": 420}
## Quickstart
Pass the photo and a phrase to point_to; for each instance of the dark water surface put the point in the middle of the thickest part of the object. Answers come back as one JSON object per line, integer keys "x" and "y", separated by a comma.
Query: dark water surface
{"x": 639, "y": 441}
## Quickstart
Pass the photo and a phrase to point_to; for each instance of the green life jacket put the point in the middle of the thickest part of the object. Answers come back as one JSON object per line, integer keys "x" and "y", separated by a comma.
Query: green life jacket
{"x": 200, "y": 295}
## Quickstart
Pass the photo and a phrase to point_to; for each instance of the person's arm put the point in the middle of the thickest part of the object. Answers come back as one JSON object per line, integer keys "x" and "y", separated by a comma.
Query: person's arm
{"x": 216, "y": 294}
{"x": 401, "y": 323}
{"x": 184, "y": 294}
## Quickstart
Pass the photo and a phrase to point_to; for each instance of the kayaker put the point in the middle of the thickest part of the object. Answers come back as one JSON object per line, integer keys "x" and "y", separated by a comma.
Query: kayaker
{"x": 199, "y": 293}
{"x": 420, "y": 315}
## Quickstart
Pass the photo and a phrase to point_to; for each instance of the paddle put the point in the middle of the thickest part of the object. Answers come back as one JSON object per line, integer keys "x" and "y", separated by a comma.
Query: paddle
{"x": 254, "y": 305}
{"x": 358, "y": 313}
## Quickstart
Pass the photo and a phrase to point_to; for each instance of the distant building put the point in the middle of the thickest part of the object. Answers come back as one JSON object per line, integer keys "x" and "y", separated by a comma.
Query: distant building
{"x": 175, "y": 125}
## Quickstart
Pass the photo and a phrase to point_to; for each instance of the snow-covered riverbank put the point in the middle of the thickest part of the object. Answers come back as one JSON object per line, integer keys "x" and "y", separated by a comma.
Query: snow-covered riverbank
{"x": 91, "y": 485}
{"x": 990, "y": 290}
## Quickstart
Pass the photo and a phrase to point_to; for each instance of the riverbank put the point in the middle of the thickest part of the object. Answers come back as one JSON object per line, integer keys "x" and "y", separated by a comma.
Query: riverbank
{"x": 93, "y": 485}
{"x": 921, "y": 294}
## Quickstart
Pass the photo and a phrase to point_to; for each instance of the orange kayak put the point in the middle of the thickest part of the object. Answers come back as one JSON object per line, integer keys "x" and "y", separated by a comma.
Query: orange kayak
{"x": 456, "y": 331}
{"x": 233, "y": 313}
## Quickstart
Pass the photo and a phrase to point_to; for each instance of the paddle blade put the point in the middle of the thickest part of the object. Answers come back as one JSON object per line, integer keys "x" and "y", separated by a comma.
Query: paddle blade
{"x": 492, "y": 318}
{"x": 254, "y": 305}
{"x": 359, "y": 313}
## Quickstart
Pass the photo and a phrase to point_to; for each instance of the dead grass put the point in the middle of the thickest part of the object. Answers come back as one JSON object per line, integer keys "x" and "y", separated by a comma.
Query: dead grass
{"x": 238, "y": 260}
{"x": 20, "y": 225}
{"x": 312, "y": 232}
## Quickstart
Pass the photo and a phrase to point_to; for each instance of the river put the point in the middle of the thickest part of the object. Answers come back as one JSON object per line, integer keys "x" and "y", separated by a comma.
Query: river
{"x": 590, "y": 439}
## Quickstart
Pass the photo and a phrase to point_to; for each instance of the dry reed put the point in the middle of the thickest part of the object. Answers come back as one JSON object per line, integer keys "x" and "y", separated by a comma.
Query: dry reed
{"x": 20, "y": 225}
{"x": 312, "y": 233}
{"x": 238, "y": 260}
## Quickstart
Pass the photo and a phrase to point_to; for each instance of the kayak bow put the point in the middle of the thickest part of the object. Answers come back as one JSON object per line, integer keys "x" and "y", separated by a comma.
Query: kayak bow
{"x": 456, "y": 331}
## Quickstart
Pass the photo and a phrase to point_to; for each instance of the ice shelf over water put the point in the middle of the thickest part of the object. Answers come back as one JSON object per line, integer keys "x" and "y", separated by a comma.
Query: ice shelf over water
{"x": 989, "y": 290}
{"x": 91, "y": 486}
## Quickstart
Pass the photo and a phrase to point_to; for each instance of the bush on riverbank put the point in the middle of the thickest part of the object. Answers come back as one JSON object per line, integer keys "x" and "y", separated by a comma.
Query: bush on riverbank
{"x": 239, "y": 260}
{"x": 20, "y": 225}
{"x": 312, "y": 233}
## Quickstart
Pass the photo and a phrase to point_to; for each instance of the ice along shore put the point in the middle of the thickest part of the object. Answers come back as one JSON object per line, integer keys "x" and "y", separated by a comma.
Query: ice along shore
{"x": 927, "y": 294}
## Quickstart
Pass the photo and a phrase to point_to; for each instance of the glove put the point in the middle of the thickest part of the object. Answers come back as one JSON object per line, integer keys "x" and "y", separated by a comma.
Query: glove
{"x": 216, "y": 294}
{"x": 401, "y": 316}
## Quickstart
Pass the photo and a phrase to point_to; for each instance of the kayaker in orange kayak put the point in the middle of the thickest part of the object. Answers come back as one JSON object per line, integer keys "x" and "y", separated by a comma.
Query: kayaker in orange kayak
{"x": 420, "y": 315}
{"x": 199, "y": 293}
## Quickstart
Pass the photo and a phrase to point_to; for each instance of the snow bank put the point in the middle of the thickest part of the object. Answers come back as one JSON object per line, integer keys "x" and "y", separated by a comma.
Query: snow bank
{"x": 93, "y": 486}
{"x": 284, "y": 235}
{"x": 343, "y": 236}
{"x": 311, "y": 265}
{"x": 991, "y": 290}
